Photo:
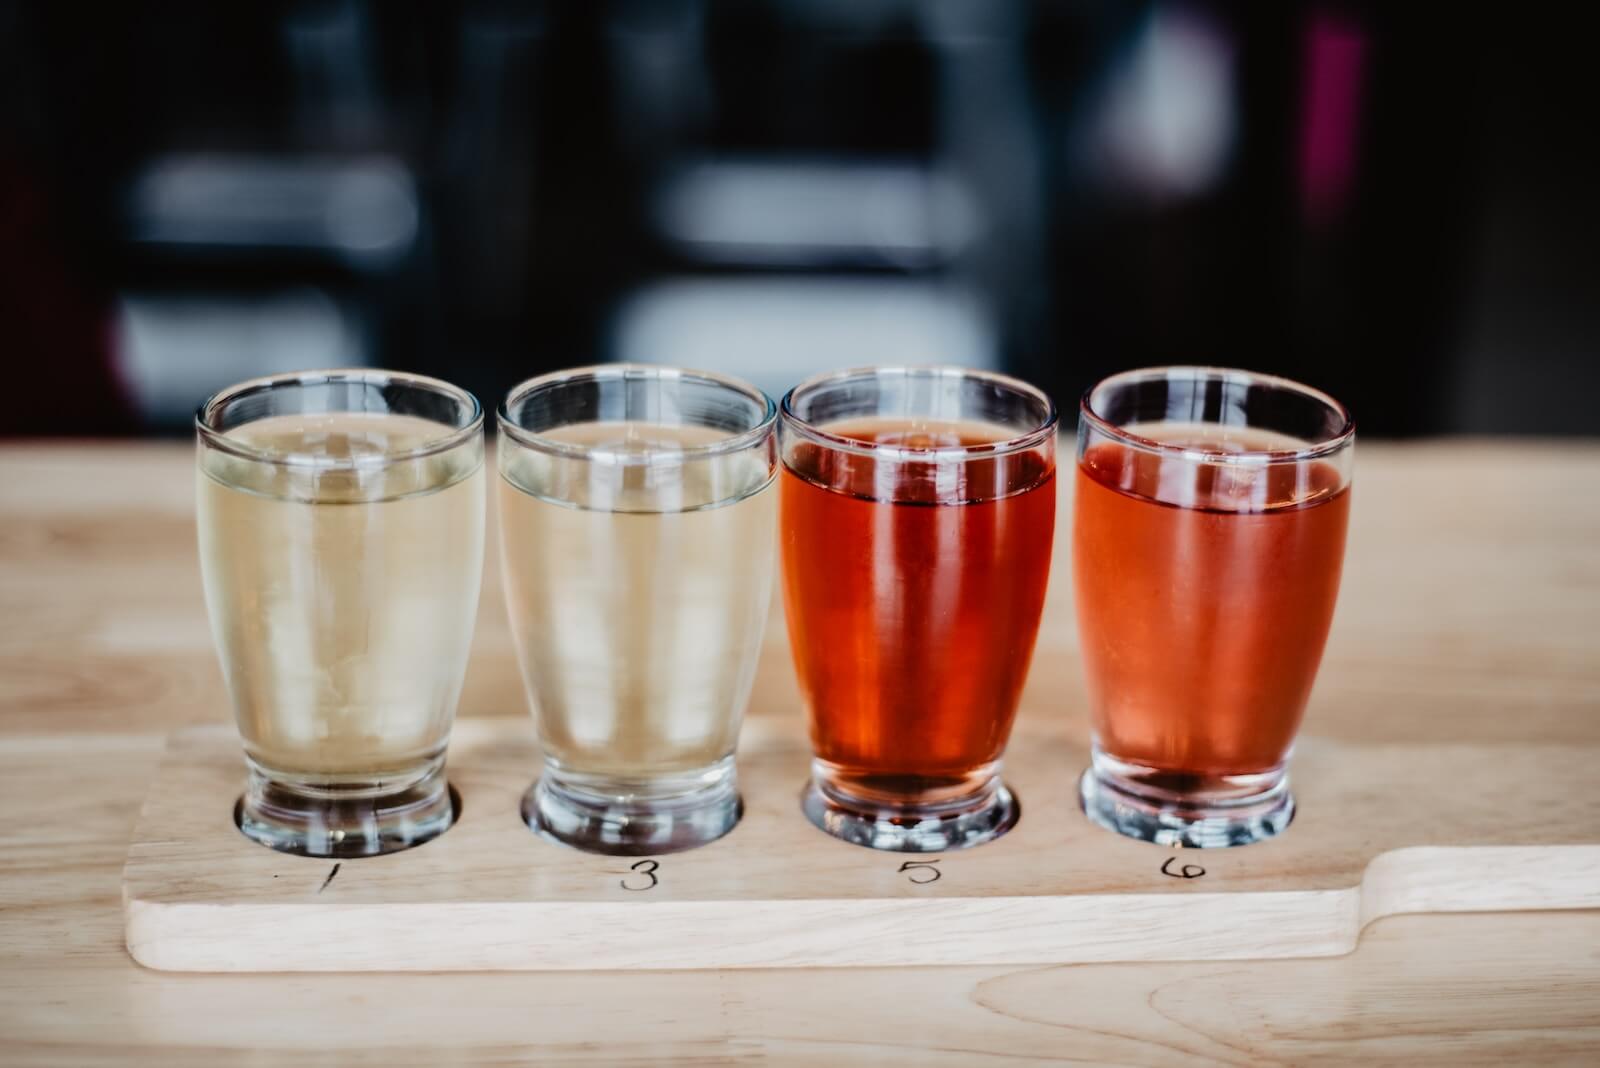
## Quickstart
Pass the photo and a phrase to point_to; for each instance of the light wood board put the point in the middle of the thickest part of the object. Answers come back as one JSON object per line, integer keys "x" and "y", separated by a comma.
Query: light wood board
{"x": 1381, "y": 829}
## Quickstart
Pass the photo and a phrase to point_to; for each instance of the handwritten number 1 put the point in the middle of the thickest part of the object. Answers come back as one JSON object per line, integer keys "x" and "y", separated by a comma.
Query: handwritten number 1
{"x": 648, "y": 869}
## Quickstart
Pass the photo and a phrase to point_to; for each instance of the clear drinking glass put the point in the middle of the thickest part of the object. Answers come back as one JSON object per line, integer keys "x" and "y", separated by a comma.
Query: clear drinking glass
{"x": 341, "y": 520}
{"x": 1208, "y": 537}
{"x": 636, "y": 530}
{"x": 917, "y": 510}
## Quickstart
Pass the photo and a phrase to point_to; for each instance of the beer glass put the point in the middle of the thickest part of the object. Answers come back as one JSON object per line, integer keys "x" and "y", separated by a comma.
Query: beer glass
{"x": 1208, "y": 536}
{"x": 917, "y": 511}
{"x": 341, "y": 520}
{"x": 636, "y": 530}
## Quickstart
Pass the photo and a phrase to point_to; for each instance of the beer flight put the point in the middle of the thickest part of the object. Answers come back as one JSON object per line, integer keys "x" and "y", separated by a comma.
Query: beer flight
{"x": 909, "y": 514}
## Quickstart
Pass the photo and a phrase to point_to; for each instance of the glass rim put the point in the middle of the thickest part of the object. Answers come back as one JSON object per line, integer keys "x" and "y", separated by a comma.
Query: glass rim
{"x": 534, "y": 439}
{"x": 373, "y": 376}
{"x": 924, "y": 453}
{"x": 1311, "y": 451}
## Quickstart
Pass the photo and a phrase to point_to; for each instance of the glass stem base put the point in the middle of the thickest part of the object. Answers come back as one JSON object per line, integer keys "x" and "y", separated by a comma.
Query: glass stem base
{"x": 957, "y": 823}
{"x": 632, "y": 819}
{"x": 1199, "y": 812}
{"x": 346, "y": 820}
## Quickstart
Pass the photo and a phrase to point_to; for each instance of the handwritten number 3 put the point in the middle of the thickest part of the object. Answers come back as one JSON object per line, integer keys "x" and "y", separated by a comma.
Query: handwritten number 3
{"x": 1188, "y": 871}
{"x": 648, "y": 869}
{"x": 925, "y": 868}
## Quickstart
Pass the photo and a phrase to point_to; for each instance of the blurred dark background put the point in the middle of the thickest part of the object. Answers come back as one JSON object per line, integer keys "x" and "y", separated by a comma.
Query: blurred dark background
{"x": 1395, "y": 202}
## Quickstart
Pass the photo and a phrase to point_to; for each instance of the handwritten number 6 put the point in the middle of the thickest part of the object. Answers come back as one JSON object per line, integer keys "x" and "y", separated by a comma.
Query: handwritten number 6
{"x": 924, "y": 867}
{"x": 1188, "y": 871}
{"x": 648, "y": 869}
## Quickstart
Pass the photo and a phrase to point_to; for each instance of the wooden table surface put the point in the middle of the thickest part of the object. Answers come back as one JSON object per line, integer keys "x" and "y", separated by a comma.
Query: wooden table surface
{"x": 1470, "y": 608}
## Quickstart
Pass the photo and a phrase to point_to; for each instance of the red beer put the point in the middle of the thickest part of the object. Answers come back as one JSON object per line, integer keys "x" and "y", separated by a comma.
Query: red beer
{"x": 916, "y": 510}
{"x": 1203, "y": 624}
{"x": 913, "y": 618}
{"x": 1208, "y": 540}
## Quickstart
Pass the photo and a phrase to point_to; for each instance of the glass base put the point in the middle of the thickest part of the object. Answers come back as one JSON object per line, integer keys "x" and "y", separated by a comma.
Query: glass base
{"x": 635, "y": 819}
{"x": 356, "y": 820}
{"x": 957, "y": 823}
{"x": 1197, "y": 812}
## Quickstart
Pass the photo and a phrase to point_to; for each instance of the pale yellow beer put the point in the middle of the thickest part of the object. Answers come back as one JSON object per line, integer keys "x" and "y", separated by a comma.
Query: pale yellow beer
{"x": 637, "y": 539}
{"x": 341, "y": 525}
{"x": 638, "y": 631}
{"x": 342, "y": 601}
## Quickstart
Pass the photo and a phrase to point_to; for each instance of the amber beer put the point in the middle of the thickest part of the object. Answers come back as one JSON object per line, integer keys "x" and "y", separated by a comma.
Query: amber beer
{"x": 1206, "y": 558}
{"x": 916, "y": 551}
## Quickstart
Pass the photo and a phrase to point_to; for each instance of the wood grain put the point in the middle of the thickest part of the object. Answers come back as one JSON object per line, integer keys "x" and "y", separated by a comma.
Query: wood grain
{"x": 1381, "y": 829}
{"x": 1470, "y": 610}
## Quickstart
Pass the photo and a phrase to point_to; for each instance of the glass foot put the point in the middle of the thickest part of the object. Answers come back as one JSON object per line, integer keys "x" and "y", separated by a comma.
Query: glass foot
{"x": 666, "y": 815}
{"x": 933, "y": 828}
{"x": 361, "y": 820}
{"x": 1198, "y": 812}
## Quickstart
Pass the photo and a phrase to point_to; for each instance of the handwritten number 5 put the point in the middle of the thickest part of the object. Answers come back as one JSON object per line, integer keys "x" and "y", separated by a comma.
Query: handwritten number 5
{"x": 1188, "y": 871}
{"x": 923, "y": 868}
{"x": 648, "y": 869}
